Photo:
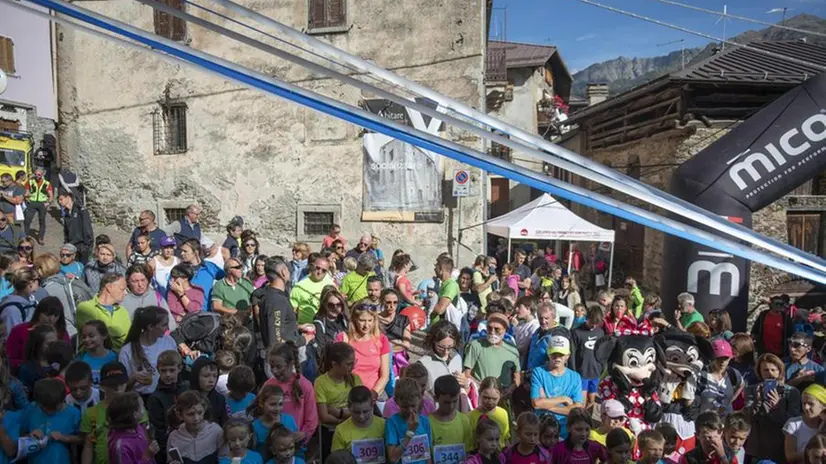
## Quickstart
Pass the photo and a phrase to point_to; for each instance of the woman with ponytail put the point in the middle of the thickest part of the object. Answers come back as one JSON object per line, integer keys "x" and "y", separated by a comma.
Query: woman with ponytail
{"x": 299, "y": 395}
{"x": 144, "y": 343}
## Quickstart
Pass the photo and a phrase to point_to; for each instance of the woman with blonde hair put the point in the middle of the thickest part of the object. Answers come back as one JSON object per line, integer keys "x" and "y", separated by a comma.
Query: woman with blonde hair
{"x": 371, "y": 346}
{"x": 569, "y": 293}
{"x": 769, "y": 404}
{"x": 70, "y": 292}
{"x": 18, "y": 307}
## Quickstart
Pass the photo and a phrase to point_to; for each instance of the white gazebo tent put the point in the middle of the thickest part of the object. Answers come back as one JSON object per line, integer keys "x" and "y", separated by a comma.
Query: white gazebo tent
{"x": 547, "y": 219}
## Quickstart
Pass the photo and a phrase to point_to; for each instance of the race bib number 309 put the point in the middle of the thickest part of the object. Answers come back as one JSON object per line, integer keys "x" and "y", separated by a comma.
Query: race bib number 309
{"x": 449, "y": 454}
{"x": 369, "y": 451}
{"x": 418, "y": 449}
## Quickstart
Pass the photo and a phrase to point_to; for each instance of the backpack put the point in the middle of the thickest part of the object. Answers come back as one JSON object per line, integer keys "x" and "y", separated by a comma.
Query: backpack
{"x": 21, "y": 308}
{"x": 201, "y": 331}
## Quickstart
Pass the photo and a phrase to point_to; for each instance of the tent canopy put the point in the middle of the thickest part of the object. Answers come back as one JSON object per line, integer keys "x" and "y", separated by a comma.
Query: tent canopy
{"x": 547, "y": 219}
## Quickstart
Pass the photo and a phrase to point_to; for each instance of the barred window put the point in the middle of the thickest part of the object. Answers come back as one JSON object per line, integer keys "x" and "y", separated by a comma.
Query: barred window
{"x": 326, "y": 15}
{"x": 169, "y": 129}
{"x": 174, "y": 214}
{"x": 318, "y": 222}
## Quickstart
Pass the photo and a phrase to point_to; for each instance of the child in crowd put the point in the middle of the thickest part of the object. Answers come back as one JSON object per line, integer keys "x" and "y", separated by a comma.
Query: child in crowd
{"x": 800, "y": 370}
{"x": 527, "y": 449}
{"x": 489, "y": 395}
{"x": 363, "y": 430}
{"x": 281, "y": 445}
{"x": 197, "y": 439}
{"x": 238, "y": 438}
{"x": 584, "y": 339}
{"x": 299, "y": 395}
{"x": 710, "y": 448}
{"x": 97, "y": 345}
{"x": 612, "y": 416}
{"x": 82, "y": 394}
{"x": 618, "y": 447}
{"x": 407, "y": 433}
{"x": 580, "y": 315}
{"x": 549, "y": 430}
{"x": 17, "y": 398}
{"x": 162, "y": 400}
{"x": 128, "y": 440}
{"x": 669, "y": 433}
{"x": 36, "y": 367}
{"x": 11, "y": 426}
{"x": 742, "y": 346}
{"x": 226, "y": 360}
{"x": 268, "y": 412}
{"x": 525, "y": 324}
{"x": 241, "y": 385}
{"x": 488, "y": 439}
{"x": 417, "y": 372}
{"x": 577, "y": 447}
{"x": 735, "y": 433}
{"x": 799, "y": 430}
{"x": 451, "y": 430}
{"x": 332, "y": 389}
{"x": 815, "y": 452}
{"x": 651, "y": 446}
{"x": 204, "y": 378}
{"x": 59, "y": 355}
{"x": 93, "y": 424}
{"x": 51, "y": 417}
{"x": 509, "y": 278}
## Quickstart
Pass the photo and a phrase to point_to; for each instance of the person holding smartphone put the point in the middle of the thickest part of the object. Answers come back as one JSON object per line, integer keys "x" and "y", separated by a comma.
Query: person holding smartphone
{"x": 769, "y": 404}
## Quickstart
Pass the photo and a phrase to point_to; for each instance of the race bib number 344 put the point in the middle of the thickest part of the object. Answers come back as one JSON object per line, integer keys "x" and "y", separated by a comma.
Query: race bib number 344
{"x": 449, "y": 454}
{"x": 418, "y": 449}
{"x": 369, "y": 451}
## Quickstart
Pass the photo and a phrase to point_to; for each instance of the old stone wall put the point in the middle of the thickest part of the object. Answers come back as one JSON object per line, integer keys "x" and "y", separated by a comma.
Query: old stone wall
{"x": 250, "y": 154}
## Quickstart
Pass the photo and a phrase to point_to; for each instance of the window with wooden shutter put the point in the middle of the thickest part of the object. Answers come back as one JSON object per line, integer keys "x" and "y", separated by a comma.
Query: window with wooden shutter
{"x": 169, "y": 26}
{"x": 7, "y": 55}
{"x": 326, "y": 16}
{"x": 804, "y": 231}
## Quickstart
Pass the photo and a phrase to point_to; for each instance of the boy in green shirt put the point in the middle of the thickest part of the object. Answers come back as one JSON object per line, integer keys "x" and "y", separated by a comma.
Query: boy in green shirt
{"x": 451, "y": 430}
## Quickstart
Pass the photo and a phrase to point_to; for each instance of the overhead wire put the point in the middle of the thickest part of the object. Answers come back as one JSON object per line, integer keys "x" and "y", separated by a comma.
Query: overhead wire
{"x": 741, "y": 18}
{"x": 427, "y": 141}
{"x": 701, "y": 34}
{"x": 545, "y": 151}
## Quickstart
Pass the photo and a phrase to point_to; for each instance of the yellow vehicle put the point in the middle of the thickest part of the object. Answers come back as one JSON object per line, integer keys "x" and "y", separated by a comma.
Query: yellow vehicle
{"x": 15, "y": 152}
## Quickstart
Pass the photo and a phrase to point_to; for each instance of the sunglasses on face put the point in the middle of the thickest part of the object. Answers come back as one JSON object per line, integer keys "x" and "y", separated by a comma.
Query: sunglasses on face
{"x": 445, "y": 348}
{"x": 25, "y": 248}
{"x": 236, "y": 267}
{"x": 339, "y": 248}
{"x": 335, "y": 305}
{"x": 66, "y": 255}
{"x": 249, "y": 244}
{"x": 392, "y": 303}
{"x": 322, "y": 269}
{"x": 496, "y": 329}
{"x": 798, "y": 345}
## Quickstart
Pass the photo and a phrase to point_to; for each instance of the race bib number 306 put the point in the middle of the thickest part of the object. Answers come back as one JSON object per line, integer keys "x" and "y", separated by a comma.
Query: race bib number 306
{"x": 449, "y": 454}
{"x": 369, "y": 451}
{"x": 418, "y": 449}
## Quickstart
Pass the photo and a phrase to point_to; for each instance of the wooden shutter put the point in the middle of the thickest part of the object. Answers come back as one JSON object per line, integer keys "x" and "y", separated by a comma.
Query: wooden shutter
{"x": 162, "y": 24}
{"x": 804, "y": 231}
{"x": 7, "y": 55}
{"x": 178, "y": 24}
{"x": 336, "y": 13}
{"x": 317, "y": 14}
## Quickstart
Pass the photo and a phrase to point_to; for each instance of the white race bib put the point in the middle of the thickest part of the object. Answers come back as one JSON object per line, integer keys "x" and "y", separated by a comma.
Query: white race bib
{"x": 449, "y": 454}
{"x": 368, "y": 451}
{"x": 418, "y": 449}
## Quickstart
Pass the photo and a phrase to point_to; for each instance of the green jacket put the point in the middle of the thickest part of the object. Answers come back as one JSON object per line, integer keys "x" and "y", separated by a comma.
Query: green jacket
{"x": 118, "y": 321}
{"x": 636, "y": 300}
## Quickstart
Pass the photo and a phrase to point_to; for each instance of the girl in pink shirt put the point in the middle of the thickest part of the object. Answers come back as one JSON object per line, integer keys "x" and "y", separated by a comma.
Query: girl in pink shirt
{"x": 509, "y": 278}
{"x": 371, "y": 346}
{"x": 299, "y": 395}
{"x": 183, "y": 297}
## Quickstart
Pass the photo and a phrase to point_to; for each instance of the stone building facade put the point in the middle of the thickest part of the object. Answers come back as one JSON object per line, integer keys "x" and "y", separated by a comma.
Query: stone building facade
{"x": 288, "y": 170}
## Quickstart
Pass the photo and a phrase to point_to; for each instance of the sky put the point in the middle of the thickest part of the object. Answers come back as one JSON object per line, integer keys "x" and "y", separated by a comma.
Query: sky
{"x": 587, "y": 34}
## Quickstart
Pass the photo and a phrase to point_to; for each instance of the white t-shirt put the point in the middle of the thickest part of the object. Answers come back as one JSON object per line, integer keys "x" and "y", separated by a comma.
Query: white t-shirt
{"x": 523, "y": 332}
{"x": 802, "y": 432}
{"x": 93, "y": 399}
{"x": 151, "y": 352}
{"x": 221, "y": 386}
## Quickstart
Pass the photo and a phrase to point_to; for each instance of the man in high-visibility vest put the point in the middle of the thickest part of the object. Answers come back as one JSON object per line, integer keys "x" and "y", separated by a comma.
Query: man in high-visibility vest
{"x": 39, "y": 194}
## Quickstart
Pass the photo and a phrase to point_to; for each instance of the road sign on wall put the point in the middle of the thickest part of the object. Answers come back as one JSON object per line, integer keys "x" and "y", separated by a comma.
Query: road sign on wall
{"x": 461, "y": 183}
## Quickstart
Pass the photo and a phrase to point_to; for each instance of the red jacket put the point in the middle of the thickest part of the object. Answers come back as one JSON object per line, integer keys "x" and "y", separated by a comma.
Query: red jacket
{"x": 16, "y": 344}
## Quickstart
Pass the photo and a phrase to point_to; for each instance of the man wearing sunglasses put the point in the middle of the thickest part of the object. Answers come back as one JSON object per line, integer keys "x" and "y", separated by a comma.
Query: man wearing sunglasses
{"x": 800, "y": 370}
{"x": 305, "y": 296}
{"x": 232, "y": 293}
{"x": 9, "y": 236}
{"x": 773, "y": 328}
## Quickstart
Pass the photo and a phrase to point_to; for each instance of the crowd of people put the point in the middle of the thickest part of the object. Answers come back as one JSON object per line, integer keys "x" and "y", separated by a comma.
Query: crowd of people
{"x": 181, "y": 350}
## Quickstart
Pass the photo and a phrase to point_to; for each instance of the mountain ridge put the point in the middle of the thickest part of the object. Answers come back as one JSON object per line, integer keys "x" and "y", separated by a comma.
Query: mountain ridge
{"x": 624, "y": 73}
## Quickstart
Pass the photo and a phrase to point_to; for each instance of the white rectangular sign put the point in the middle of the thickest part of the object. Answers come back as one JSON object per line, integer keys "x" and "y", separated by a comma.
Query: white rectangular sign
{"x": 461, "y": 183}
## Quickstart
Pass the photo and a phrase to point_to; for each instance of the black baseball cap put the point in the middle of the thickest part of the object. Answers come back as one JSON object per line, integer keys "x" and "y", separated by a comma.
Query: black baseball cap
{"x": 113, "y": 374}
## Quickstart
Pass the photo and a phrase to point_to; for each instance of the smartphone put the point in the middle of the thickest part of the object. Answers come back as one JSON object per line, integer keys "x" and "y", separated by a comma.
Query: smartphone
{"x": 175, "y": 456}
{"x": 769, "y": 385}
